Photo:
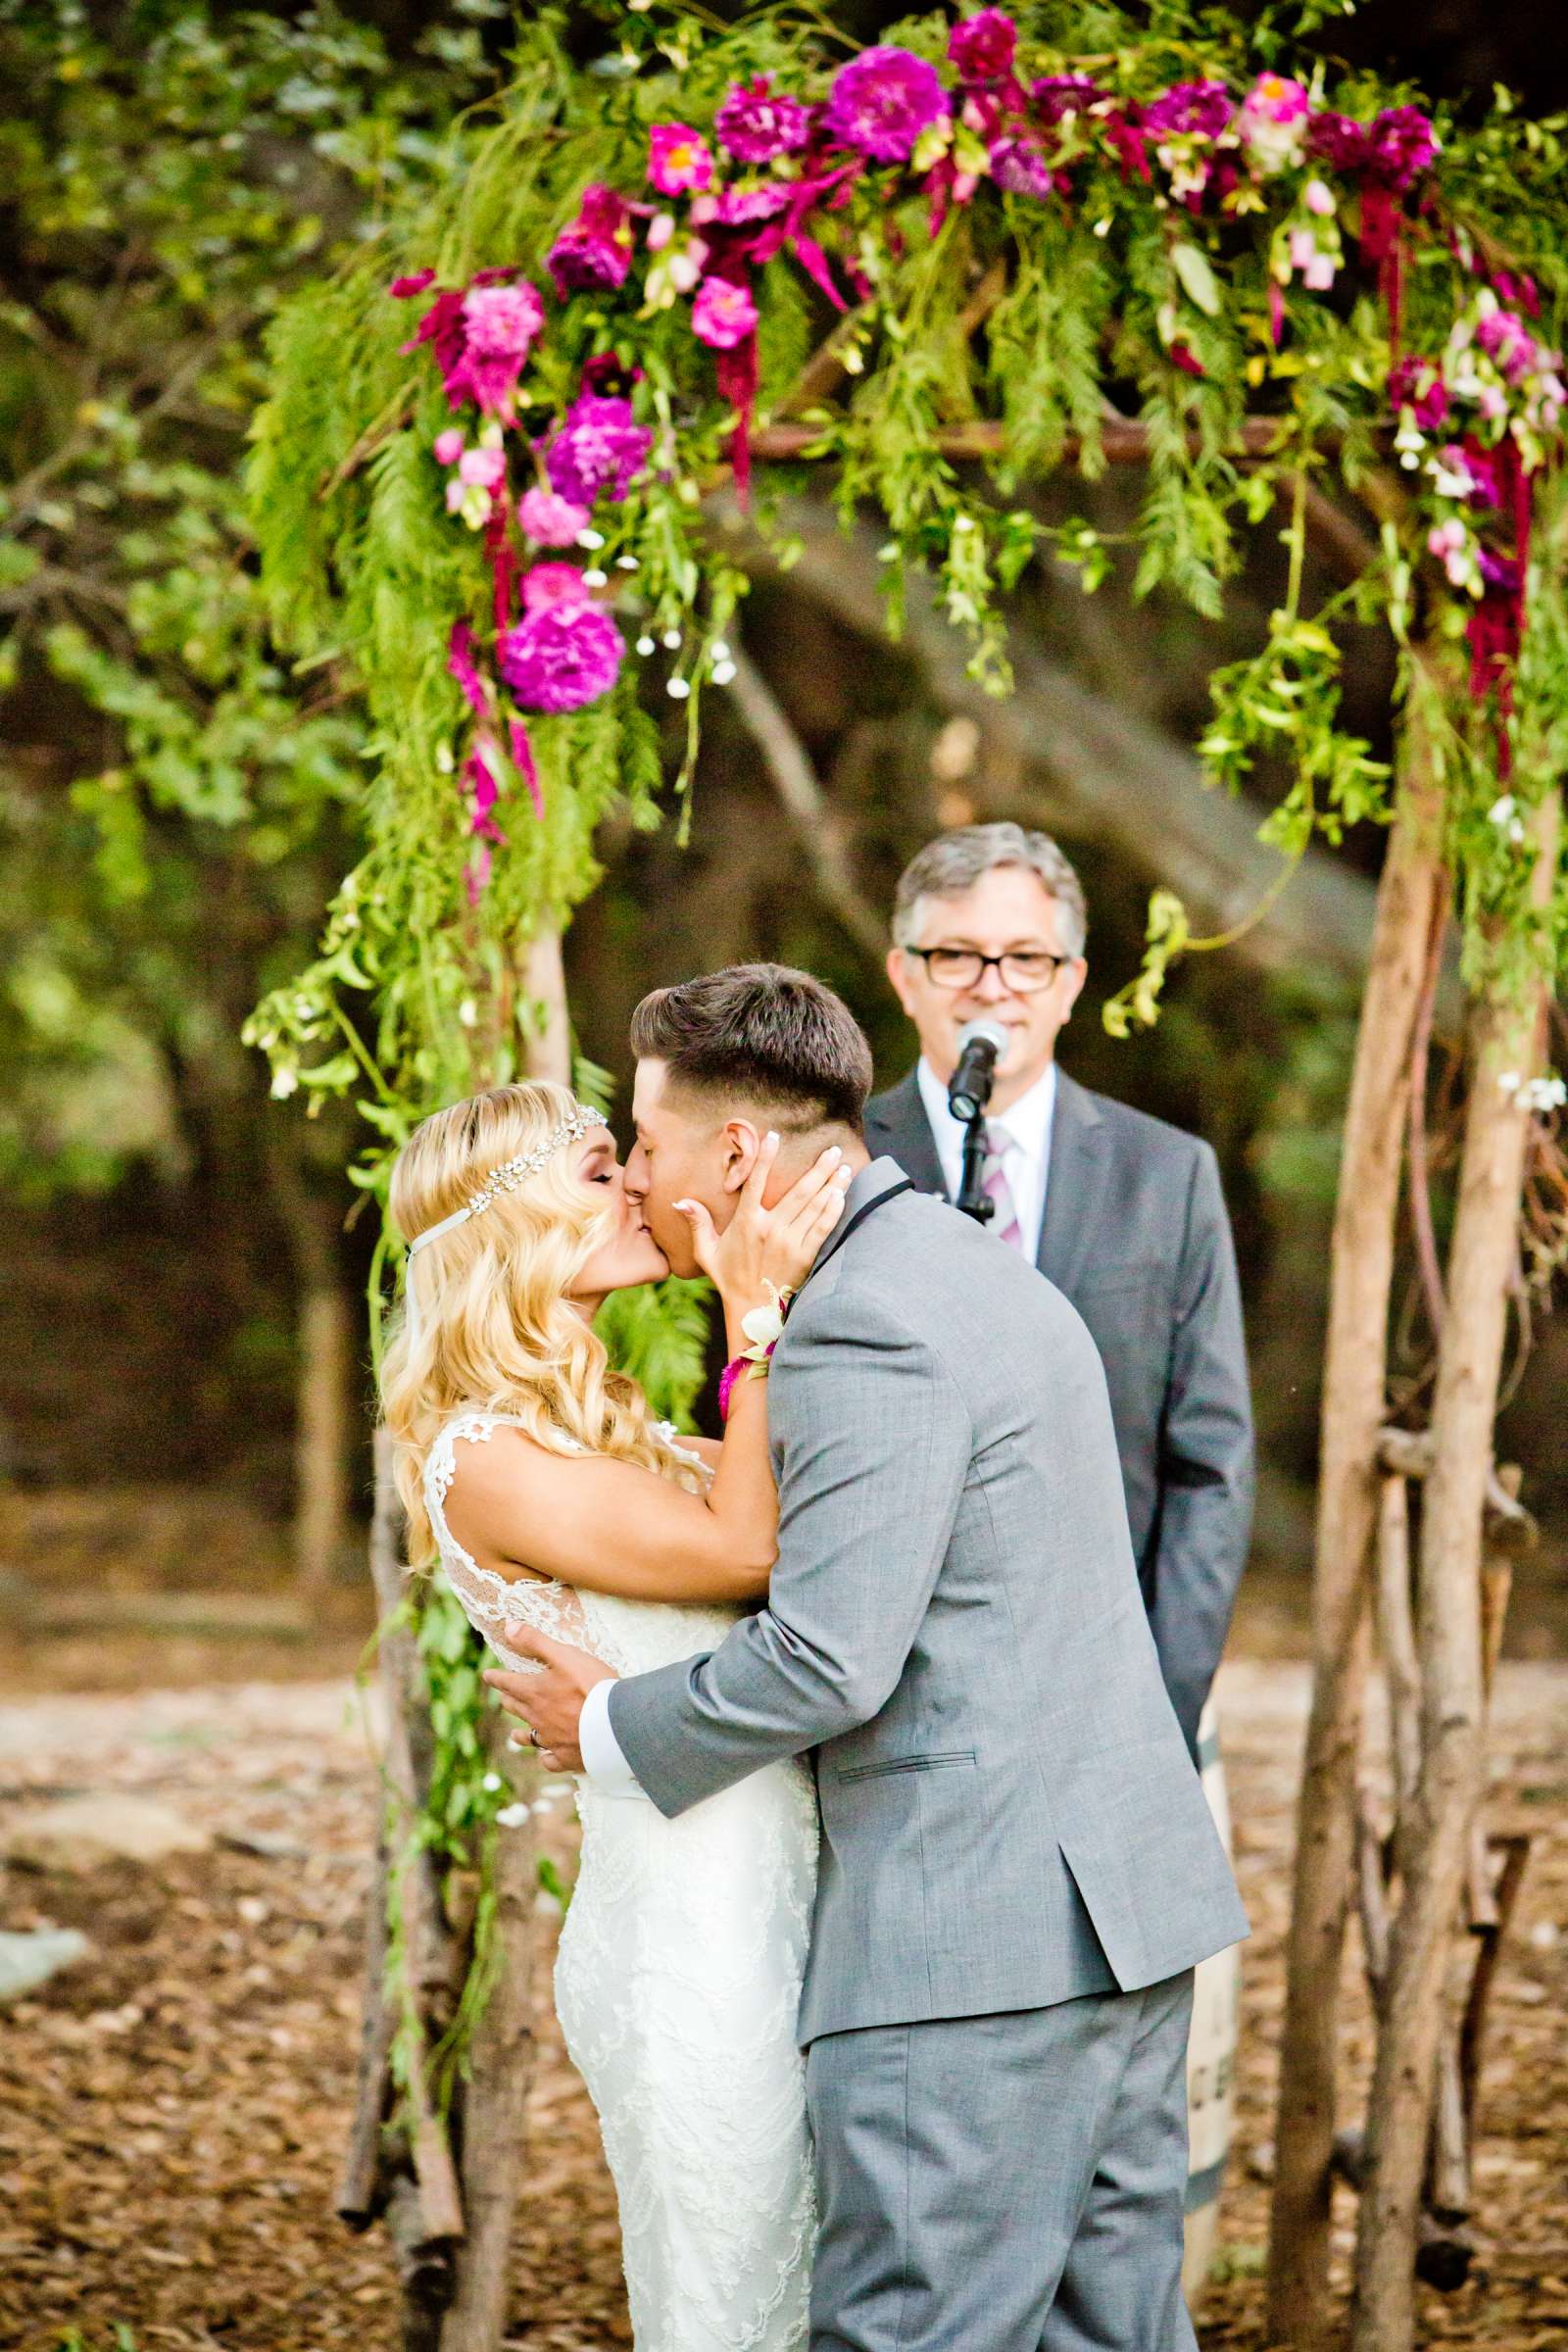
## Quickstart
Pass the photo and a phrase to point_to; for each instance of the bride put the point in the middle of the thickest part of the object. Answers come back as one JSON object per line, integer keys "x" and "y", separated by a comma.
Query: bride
{"x": 551, "y": 1495}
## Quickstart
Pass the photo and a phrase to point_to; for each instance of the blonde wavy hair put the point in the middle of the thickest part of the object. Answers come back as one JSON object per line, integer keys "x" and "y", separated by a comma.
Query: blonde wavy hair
{"x": 497, "y": 1330}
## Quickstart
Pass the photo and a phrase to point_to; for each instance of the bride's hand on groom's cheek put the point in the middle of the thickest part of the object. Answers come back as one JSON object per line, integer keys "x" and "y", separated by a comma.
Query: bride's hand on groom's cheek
{"x": 550, "y": 1704}
{"x": 764, "y": 1251}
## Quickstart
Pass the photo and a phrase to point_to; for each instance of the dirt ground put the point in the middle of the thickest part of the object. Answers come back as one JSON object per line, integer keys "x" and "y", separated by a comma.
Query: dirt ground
{"x": 173, "y": 2110}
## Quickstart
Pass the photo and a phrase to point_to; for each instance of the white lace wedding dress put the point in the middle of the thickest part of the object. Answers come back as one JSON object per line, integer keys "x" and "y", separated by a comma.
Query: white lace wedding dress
{"x": 677, "y": 1985}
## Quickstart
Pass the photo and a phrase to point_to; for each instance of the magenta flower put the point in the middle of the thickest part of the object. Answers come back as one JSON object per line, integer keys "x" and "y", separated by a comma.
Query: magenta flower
{"x": 402, "y": 287}
{"x": 1401, "y": 144}
{"x": 550, "y": 520}
{"x": 562, "y": 657}
{"x": 595, "y": 252}
{"x": 723, "y": 314}
{"x": 486, "y": 467}
{"x": 881, "y": 102}
{"x": 462, "y": 666}
{"x": 738, "y": 208}
{"x": 484, "y": 791}
{"x": 680, "y": 161}
{"x": 547, "y": 585}
{"x": 1273, "y": 120}
{"x": 1058, "y": 94}
{"x": 498, "y": 327}
{"x": 1191, "y": 109}
{"x": 1019, "y": 166}
{"x": 1507, "y": 340}
{"x": 756, "y": 126}
{"x": 447, "y": 446}
{"x": 1417, "y": 384}
{"x": 981, "y": 48}
{"x": 1337, "y": 142}
{"x": 597, "y": 448}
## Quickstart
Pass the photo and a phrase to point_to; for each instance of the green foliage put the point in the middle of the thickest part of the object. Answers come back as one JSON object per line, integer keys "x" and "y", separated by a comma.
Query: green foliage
{"x": 170, "y": 187}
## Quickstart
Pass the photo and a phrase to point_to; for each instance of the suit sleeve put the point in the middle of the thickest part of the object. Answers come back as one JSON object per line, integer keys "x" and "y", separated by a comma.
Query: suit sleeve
{"x": 1207, "y": 1464}
{"x": 873, "y": 1442}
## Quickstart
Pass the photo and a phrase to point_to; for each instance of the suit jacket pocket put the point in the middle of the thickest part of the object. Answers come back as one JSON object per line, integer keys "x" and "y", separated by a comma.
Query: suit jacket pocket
{"x": 929, "y": 1763}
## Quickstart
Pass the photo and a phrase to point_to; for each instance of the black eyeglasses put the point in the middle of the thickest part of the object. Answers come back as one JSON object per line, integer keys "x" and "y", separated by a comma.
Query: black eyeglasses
{"x": 1025, "y": 970}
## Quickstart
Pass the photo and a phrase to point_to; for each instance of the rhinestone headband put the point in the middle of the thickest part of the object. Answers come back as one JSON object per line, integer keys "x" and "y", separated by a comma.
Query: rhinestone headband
{"x": 512, "y": 1172}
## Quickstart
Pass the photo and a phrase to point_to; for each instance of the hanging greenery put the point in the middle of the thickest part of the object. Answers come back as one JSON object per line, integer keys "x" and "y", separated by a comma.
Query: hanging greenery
{"x": 727, "y": 256}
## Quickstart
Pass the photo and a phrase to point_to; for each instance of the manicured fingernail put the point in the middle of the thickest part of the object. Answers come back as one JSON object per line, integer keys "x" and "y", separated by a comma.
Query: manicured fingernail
{"x": 835, "y": 1150}
{"x": 770, "y": 1136}
{"x": 685, "y": 1207}
{"x": 843, "y": 1176}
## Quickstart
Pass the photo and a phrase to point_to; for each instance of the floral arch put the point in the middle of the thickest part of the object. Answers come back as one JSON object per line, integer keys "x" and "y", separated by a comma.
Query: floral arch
{"x": 936, "y": 270}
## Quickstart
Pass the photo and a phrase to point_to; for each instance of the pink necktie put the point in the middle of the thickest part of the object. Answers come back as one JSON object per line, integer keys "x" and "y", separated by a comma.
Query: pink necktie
{"x": 1004, "y": 1224}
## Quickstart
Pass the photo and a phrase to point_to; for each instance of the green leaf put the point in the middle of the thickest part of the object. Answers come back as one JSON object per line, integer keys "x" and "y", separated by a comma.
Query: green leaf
{"x": 1199, "y": 283}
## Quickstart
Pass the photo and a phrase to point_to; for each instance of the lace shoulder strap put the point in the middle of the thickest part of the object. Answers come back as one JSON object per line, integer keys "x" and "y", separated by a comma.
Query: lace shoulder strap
{"x": 489, "y": 1599}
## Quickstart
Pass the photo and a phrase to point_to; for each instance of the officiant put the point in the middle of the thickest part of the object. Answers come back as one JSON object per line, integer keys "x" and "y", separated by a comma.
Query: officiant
{"x": 1122, "y": 1212}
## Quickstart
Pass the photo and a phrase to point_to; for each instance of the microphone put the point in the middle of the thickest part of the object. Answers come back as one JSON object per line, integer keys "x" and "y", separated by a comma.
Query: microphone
{"x": 981, "y": 1046}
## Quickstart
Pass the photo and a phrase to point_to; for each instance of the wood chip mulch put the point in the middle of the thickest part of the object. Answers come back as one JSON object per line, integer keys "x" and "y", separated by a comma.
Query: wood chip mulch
{"x": 173, "y": 2110}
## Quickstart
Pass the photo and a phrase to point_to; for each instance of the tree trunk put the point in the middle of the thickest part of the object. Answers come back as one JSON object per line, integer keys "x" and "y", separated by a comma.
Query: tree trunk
{"x": 321, "y": 1438}
{"x": 1354, "y": 1388}
{"x": 323, "y": 1346}
{"x": 1507, "y": 1037}
{"x": 495, "y": 2097}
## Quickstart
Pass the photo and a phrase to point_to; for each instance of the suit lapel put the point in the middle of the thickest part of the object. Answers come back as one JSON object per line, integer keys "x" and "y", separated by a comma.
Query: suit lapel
{"x": 1072, "y": 1191}
{"x": 895, "y": 1123}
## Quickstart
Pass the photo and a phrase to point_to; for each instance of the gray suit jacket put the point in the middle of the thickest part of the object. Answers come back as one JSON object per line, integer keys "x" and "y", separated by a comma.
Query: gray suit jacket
{"x": 1009, "y": 1814}
{"x": 1136, "y": 1235}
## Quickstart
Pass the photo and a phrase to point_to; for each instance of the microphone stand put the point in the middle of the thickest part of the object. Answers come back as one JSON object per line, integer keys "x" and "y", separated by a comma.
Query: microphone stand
{"x": 973, "y": 1199}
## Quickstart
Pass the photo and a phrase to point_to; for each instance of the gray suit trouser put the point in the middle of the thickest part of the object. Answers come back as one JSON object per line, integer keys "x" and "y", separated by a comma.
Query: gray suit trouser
{"x": 1006, "y": 2184}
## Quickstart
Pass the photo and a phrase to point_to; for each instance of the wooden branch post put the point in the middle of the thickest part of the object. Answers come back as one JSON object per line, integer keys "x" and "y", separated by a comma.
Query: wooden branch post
{"x": 1506, "y": 1037}
{"x": 1353, "y": 1392}
{"x": 450, "y": 2192}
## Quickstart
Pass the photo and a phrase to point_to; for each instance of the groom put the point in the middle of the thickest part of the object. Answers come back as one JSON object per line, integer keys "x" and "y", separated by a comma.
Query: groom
{"x": 1018, "y": 1867}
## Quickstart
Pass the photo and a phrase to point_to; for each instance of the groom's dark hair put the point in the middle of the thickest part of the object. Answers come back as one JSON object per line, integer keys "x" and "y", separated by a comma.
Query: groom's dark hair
{"x": 775, "y": 1038}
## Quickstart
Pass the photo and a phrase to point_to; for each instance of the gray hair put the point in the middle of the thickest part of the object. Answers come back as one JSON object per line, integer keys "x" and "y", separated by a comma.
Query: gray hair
{"x": 955, "y": 861}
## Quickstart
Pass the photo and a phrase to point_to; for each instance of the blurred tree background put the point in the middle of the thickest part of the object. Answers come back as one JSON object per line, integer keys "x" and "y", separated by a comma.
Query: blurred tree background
{"x": 180, "y": 1264}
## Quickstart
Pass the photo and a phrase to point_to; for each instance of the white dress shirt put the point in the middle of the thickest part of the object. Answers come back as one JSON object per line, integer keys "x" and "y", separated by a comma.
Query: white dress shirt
{"x": 602, "y": 1757}
{"x": 1026, "y": 1164}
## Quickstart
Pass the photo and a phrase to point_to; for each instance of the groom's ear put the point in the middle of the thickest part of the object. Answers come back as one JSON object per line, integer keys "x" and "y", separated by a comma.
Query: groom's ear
{"x": 739, "y": 1144}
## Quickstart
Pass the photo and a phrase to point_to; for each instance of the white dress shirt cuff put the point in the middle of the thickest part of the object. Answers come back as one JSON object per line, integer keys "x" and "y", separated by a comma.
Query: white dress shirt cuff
{"x": 602, "y": 1759}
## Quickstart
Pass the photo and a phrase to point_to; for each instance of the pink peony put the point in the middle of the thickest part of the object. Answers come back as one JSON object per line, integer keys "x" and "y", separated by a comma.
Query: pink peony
{"x": 485, "y": 466}
{"x": 1273, "y": 120}
{"x": 981, "y": 48}
{"x": 679, "y": 160}
{"x": 550, "y": 584}
{"x": 550, "y": 520}
{"x": 448, "y": 445}
{"x": 881, "y": 102}
{"x": 562, "y": 657}
{"x": 597, "y": 448}
{"x": 498, "y": 326}
{"x": 595, "y": 252}
{"x": 723, "y": 314}
{"x": 758, "y": 126}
